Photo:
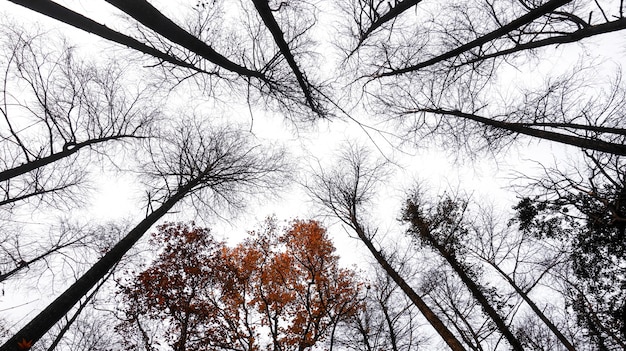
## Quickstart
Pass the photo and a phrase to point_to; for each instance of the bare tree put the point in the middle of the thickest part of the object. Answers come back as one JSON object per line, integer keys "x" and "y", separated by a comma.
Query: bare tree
{"x": 215, "y": 165}
{"x": 56, "y": 108}
{"x": 435, "y": 72}
{"x": 389, "y": 318}
{"x": 21, "y": 252}
{"x": 484, "y": 32}
{"x": 344, "y": 192}
{"x": 431, "y": 71}
{"x": 441, "y": 228}
{"x": 267, "y": 76}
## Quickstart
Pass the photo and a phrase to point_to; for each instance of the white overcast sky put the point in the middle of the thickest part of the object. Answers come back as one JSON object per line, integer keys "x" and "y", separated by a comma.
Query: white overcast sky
{"x": 485, "y": 178}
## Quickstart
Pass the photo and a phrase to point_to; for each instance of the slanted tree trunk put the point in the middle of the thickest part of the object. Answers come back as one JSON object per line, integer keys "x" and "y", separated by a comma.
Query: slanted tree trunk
{"x": 524, "y": 295}
{"x": 55, "y": 311}
{"x": 423, "y": 230}
{"x": 428, "y": 313}
{"x": 520, "y": 128}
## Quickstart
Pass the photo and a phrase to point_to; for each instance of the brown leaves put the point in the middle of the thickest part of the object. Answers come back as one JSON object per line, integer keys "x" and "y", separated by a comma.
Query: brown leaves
{"x": 278, "y": 289}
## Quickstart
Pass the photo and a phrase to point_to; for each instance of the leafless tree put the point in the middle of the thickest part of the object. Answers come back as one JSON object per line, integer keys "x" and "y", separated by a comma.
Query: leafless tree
{"x": 195, "y": 162}
{"x": 431, "y": 71}
{"x": 20, "y": 252}
{"x": 436, "y": 71}
{"x": 344, "y": 192}
{"x": 389, "y": 318}
{"x": 277, "y": 77}
{"x": 58, "y": 112}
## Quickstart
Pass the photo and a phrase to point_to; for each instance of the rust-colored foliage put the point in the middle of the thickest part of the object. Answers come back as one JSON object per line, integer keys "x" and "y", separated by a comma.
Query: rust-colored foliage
{"x": 279, "y": 290}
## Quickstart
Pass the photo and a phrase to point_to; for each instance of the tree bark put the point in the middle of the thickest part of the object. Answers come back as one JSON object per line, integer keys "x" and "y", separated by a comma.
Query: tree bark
{"x": 424, "y": 231}
{"x": 518, "y": 22}
{"x": 263, "y": 8}
{"x": 152, "y": 18}
{"x": 66, "y": 152}
{"x": 598, "y": 145}
{"x": 428, "y": 313}
{"x": 535, "y": 308}
{"x": 55, "y": 311}
{"x": 608, "y": 27}
{"x": 67, "y": 16}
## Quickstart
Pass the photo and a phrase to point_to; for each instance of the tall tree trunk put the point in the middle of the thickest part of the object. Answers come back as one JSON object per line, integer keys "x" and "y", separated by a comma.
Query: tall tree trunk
{"x": 535, "y": 308}
{"x": 68, "y": 150}
{"x": 149, "y": 16}
{"x": 55, "y": 311}
{"x": 428, "y": 313}
{"x": 503, "y": 30}
{"x": 424, "y": 231}
{"x": 67, "y": 16}
{"x": 264, "y": 10}
{"x": 520, "y": 128}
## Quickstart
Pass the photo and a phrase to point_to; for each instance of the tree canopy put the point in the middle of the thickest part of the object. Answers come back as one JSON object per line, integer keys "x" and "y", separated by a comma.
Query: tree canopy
{"x": 213, "y": 110}
{"x": 281, "y": 290}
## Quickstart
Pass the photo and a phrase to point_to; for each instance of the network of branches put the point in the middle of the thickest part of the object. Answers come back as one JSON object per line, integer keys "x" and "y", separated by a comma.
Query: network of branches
{"x": 178, "y": 101}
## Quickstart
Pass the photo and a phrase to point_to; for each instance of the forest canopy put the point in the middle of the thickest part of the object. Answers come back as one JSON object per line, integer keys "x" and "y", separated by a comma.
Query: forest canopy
{"x": 207, "y": 115}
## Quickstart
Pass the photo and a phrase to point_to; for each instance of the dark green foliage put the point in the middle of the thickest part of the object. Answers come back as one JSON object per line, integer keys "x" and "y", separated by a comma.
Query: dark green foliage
{"x": 443, "y": 227}
{"x": 593, "y": 225}
{"x": 543, "y": 219}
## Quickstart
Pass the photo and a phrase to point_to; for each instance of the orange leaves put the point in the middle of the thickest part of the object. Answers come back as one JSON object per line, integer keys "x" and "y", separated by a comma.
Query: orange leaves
{"x": 25, "y": 344}
{"x": 284, "y": 287}
{"x": 300, "y": 286}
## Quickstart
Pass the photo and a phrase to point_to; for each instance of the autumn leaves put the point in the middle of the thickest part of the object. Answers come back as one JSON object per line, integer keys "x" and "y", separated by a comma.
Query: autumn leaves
{"x": 281, "y": 288}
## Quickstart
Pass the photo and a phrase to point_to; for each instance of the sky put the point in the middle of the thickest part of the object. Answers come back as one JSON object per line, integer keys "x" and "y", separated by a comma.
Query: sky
{"x": 486, "y": 179}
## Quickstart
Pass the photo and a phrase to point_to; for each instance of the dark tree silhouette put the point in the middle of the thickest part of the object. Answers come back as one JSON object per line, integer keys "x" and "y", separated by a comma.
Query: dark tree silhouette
{"x": 65, "y": 108}
{"x": 344, "y": 191}
{"x": 441, "y": 229}
{"x": 217, "y": 165}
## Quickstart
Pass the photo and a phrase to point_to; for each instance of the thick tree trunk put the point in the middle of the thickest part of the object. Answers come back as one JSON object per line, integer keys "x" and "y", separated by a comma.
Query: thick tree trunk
{"x": 264, "y": 10}
{"x": 65, "y": 15}
{"x": 575, "y": 36}
{"x": 47, "y": 318}
{"x": 393, "y": 12}
{"x": 67, "y": 151}
{"x": 591, "y": 144}
{"x": 148, "y": 15}
{"x": 518, "y": 22}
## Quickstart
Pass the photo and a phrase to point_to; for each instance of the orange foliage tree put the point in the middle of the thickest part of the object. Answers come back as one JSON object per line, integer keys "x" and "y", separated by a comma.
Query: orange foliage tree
{"x": 278, "y": 290}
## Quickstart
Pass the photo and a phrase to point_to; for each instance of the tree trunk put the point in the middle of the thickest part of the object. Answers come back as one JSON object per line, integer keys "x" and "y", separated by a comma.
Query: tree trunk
{"x": 598, "y": 145}
{"x": 432, "y": 318}
{"x": 67, "y": 16}
{"x": 474, "y": 288}
{"x": 47, "y": 318}
{"x": 535, "y": 308}
{"x": 516, "y": 23}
